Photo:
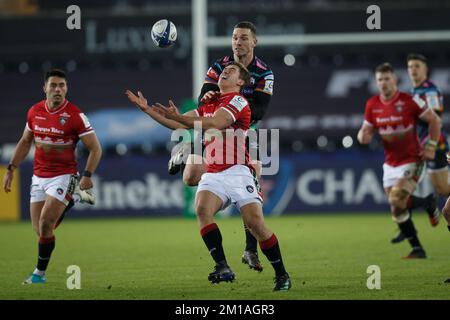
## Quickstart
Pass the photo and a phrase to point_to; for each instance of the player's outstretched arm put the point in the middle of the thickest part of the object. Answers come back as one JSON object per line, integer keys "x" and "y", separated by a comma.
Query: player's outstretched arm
{"x": 141, "y": 102}
{"x": 95, "y": 154}
{"x": 220, "y": 120}
{"x": 365, "y": 133}
{"x": 22, "y": 149}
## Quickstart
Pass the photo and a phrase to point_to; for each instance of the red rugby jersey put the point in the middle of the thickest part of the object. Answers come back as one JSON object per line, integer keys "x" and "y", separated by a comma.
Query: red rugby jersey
{"x": 396, "y": 121}
{"x": 231, "y": 150}
{"x": 56, "y": 133}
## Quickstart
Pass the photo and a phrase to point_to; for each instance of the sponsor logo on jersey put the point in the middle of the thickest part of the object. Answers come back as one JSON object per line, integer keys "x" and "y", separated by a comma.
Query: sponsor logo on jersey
{"x": 40, "y": 118}
{"x": 60, "y": 191}
{"x": 250, "y": 188}
{"x": 47, "y": 130}
{"x": 62, "y": 120}
{"x": 252, "y": 81}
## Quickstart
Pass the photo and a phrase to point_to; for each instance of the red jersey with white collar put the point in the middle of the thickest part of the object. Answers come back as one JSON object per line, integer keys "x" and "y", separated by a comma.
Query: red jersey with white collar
{"x": 56, "y": 133}
{"x": 226, "y": 148}
{"x": 396, "y": 121}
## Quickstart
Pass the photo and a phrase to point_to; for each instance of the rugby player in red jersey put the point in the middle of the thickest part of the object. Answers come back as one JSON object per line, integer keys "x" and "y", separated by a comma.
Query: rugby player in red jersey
{"x": 54, "y": 125}
{"x": 230, "y": 177}
{"x": 258, "y": 93}
{"x": 394, "y": 115}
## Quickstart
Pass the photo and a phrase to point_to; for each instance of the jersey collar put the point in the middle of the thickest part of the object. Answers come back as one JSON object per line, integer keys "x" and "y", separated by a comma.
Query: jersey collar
{"x": 64, "y": 104}
{"x": 386, "y": 102}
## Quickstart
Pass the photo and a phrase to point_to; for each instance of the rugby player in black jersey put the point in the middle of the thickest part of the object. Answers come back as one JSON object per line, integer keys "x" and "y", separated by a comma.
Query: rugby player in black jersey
{"x": 258, "y": 94}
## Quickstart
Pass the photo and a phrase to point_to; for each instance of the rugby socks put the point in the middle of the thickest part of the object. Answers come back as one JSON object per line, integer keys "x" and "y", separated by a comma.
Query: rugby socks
{"x": 271, "y": 250}
{"x": 414, "y": 202}
{"x": 68, "y": 207}
{"x": 250, "y": 241}
{"x": 408, "y": 229}
{"x": 213, "y": 239}
{"x": 46, "y": 246}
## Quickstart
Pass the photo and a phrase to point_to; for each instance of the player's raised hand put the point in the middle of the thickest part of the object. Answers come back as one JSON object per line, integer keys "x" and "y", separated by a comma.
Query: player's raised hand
{"x": 161, "y": 109}
{"x": 138, "y": 100}
{"x": 209, "y": 96}
{"x": 7, "y": 180}
{"x": 172, "y": 109}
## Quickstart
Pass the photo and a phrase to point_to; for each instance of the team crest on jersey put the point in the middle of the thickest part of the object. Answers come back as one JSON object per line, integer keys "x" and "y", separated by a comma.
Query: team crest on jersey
{"x": 399, "y": 106}
{"x": 250, "y": 188}
{"x": 62, "y": 120}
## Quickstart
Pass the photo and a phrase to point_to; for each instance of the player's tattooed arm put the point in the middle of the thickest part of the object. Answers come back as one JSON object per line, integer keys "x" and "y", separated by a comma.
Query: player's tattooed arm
{"x": 365, "y": 133}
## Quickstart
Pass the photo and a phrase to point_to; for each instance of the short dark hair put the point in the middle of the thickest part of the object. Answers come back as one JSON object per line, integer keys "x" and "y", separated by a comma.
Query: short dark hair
{"x": 55, "y": 73}
{"x": 244, "y": 74}
{"x": 246, "y": 25}
{"x": 416, "y": 56}
{"x": 385, "y": 67}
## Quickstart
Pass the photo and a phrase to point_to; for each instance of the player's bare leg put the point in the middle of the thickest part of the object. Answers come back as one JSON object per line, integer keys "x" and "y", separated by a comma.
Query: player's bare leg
{"x": 253, "y": 217}
{"x": 194, "y": 169}
{"x": 446, "y": 212}
{"x": 250, "y": 255}
{"x": 207, "y": 204}
{"x": 51, "y": 211}
{"x": 35, "y": 214}
{"x": 439, "y": 181}
{"x": 398, "y": 197}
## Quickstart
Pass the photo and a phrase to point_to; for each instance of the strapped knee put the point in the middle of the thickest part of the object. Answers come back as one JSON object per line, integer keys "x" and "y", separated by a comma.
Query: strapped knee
{"x": 396, "y": 196}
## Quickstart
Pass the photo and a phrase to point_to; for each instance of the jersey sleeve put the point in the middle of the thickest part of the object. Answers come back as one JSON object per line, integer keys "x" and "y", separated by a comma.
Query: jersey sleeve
{"x": 82, "y": 126}
{"x": 29, "y": 124}
{"x": 200, "y": 111}
{"x": 434, "y": 100}
{"x": 213, "y": 73}
{"x": 419, "y": 106}
{"x": 235, "y": 107}
{"x": 368, "y": 115}
{"x": 265, "y": 83}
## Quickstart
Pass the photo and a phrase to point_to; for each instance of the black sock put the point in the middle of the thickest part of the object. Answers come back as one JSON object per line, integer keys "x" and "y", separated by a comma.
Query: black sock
{"x": 271, "y": 250}
{"x": 415, "y": 202}
{"x": 68, "y": 207}
{"x": 213, "y": 239}
{"x": 251, "y": 244}
{"x": 46, "y": 246}
{"x": 410, "y": 233}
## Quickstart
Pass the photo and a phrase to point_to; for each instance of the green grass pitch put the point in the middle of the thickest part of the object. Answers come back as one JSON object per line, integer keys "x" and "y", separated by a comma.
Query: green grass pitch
{"x": 326, "y": 255}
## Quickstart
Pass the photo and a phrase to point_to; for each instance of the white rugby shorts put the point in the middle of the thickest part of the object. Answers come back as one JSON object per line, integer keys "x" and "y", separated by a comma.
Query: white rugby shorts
{"x": 55, "y": 187}
{"x": 413, "y": 172}
{"x": 235, "y": 185}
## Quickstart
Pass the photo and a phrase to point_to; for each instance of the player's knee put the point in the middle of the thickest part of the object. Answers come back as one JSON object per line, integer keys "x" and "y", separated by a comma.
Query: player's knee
{"x": 397, "y": 198}
{"x": 191, "y": 180}
{"x": 203, "y": 211}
